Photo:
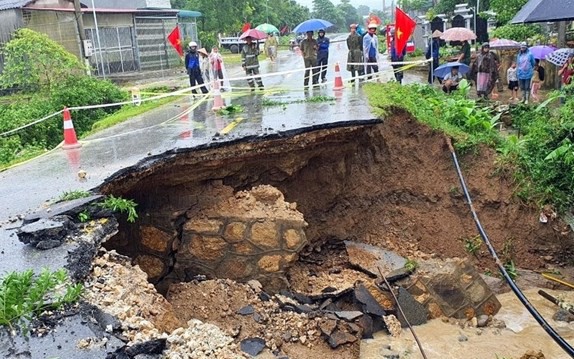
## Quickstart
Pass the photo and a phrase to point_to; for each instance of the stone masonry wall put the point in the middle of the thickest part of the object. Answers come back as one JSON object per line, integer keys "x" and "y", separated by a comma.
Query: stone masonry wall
{"x": 246, "y": 235}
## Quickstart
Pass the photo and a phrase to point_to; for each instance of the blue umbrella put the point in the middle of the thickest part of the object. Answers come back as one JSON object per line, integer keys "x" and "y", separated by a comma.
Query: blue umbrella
{"x": 541, "y": 51}
{"x": 443, "y": 70}
{"x": 312, "y": 25}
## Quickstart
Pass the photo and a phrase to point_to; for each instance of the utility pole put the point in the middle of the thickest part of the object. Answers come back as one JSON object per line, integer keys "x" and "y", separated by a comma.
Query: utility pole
{"x": 81, "y": 33}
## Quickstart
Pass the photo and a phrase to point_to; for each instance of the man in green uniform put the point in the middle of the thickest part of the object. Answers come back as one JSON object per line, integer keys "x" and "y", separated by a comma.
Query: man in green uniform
{"x": 250, "y": 63}
{"x": 355, "y": 56}
{"x": 309, "y": 48}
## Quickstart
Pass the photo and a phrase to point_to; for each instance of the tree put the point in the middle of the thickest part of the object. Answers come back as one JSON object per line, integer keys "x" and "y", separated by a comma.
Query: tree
{"x": 349, "y": 12}
{"x": 33, "y": 61}
{"x": 506, "y": 9}
{"x": 324, "y": 9}
{"x": 413, "y": 5}
{"x": 363, "y": 10}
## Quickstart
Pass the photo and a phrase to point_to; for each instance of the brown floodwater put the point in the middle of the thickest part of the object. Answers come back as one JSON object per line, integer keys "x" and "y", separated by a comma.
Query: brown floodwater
{"x": 523, "y": 333}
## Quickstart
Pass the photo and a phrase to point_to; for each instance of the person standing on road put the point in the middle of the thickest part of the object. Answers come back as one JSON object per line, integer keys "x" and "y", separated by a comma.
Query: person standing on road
{"x": 371, "y": 49}
{"x": 323, "y": 54}
{"x": 355, "y": 56}
{"x": 537, "y": 80}
{"x": 250, "y": 63}
{"x": 193, "y": 68}
{"x": 216, "y": 64}
{"x": 309, "y": 49}
{"x": 525, "y": 69}
{"x": 396, "y": 59}
{"x": 271, "y": 47}
{"x": 204, "y": 64}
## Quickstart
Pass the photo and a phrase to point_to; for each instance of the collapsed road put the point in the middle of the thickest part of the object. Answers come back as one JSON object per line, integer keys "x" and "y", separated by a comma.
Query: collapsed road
{"x": 270, "y": 245}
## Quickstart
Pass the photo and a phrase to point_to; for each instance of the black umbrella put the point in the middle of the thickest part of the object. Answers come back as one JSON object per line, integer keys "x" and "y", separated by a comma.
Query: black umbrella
{"x": 545, "y": 11}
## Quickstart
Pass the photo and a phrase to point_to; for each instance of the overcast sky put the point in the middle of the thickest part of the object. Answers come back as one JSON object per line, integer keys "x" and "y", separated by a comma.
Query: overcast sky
{"x": 373, "y": 4}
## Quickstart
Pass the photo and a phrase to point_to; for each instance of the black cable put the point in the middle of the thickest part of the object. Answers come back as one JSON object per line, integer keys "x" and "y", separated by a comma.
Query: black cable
{"x": 553, "y": 334}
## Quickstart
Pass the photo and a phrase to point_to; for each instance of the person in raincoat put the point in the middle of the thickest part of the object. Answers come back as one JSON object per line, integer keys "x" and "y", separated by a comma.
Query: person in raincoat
{"x": 271, "y": 47}
{"x": 323, "y": 54}
{"x": 250, "y": 63}
{"x": 525, "y": 70}
{"x": 204, "y": 64}
{"x": 484, "y": 71}
{"x": 371, "y": 49}
{"x": 397, "y": 58}
{"x": 193, "y": 68}
{"x": 355, "y": 56}
{"x": 216, "y": 65}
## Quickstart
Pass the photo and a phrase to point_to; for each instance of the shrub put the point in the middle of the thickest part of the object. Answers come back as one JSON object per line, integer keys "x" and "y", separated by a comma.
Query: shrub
{"x": 33, "y": 62}
{"x": 516, "y": 32}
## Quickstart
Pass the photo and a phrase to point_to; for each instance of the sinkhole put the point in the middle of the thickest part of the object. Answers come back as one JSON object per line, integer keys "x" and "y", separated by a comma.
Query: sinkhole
{"x": 251, "y": 208}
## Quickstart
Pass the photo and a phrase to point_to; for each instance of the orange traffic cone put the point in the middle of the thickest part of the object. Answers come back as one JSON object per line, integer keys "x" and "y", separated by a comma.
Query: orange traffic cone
{"x": 338, "y": 79}
{"x": 217, "y": 100}
{"x": 70, "y": 139}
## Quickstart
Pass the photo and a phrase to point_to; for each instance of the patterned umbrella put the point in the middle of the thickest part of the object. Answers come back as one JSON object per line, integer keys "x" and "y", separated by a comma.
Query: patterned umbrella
{"x": 254, "y": 33}
{"x": 458, "y": 34}
{"x": 541, "y": 51}
{"x": 268, "y": 28}
{"x": 559, "y": 56}
{"x": 504, "y": 44}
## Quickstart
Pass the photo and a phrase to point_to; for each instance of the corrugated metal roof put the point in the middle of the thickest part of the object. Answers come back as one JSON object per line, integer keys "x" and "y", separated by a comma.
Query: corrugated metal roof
{"x": 13, "y": 4}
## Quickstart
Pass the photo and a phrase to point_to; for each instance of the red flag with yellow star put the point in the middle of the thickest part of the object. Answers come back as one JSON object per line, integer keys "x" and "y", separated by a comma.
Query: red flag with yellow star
{"x": 175, "y": 40}
{"x": 404, "y": 28}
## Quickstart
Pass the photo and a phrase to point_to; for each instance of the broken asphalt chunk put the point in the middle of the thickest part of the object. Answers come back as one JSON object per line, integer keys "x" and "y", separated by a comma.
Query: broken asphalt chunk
{"x": 370, "y": 304}
{"x": 348, "y": 315}
{"x": 252, "y": 346}
{"x": 45, "y": 233}
{"x": 369, "y": 258}
{"x": 339, "y": 338}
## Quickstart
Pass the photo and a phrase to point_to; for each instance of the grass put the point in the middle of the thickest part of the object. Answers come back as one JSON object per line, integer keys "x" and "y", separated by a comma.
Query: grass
{"x": 127, "y": 112}
{"x": 122, "y": 205}
{"x": 230, "y": 59}
{"x": 23, "y": 295}
{"x": 71, "y": 195}
{"x": 25, "y": 155}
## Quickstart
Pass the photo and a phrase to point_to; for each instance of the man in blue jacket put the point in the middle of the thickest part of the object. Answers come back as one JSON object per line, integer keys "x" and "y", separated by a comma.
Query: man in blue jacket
{"x": 193, "y": 70}
{"x": 323, "y": 54}
{"x": 434, "y": 45}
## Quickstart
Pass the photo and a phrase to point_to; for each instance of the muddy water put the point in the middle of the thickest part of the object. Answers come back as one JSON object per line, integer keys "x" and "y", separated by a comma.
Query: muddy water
{"x": 444, "y": 340}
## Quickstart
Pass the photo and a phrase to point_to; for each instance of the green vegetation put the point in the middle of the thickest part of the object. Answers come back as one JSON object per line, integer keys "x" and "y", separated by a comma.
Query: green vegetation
{"x": 71, "y": 195}
{"x": 53, "y": 80}
{"x": 517, "y": 32}
{"x": 511, "y": 269}
{"x": 472, "y": 245}
{"x": 540, "y": 160}
{"x": 29, "y": 69}
{"x": 230, "y": 110}
{"x": 84, "y": 216}
{"x": 24, "y": 296}
{"x": 313, "y": 99}
{"x": 122, "y": 205}
{"x": 411, "y": 265}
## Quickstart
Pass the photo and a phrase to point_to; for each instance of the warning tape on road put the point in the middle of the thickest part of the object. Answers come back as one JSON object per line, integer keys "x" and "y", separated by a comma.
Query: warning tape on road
{"x": 188, "y": 90}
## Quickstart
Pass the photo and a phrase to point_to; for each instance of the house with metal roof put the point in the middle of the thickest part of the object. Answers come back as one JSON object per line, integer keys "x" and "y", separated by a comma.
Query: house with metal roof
{"x": 114, "y": 37}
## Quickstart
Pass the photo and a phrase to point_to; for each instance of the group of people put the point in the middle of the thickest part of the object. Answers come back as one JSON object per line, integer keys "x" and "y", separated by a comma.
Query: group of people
{"x": 363, "y": 56}
{"x": 315, "y": 54}
{"x": 202, "y": 66}
{"x": 525, "y": 73}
